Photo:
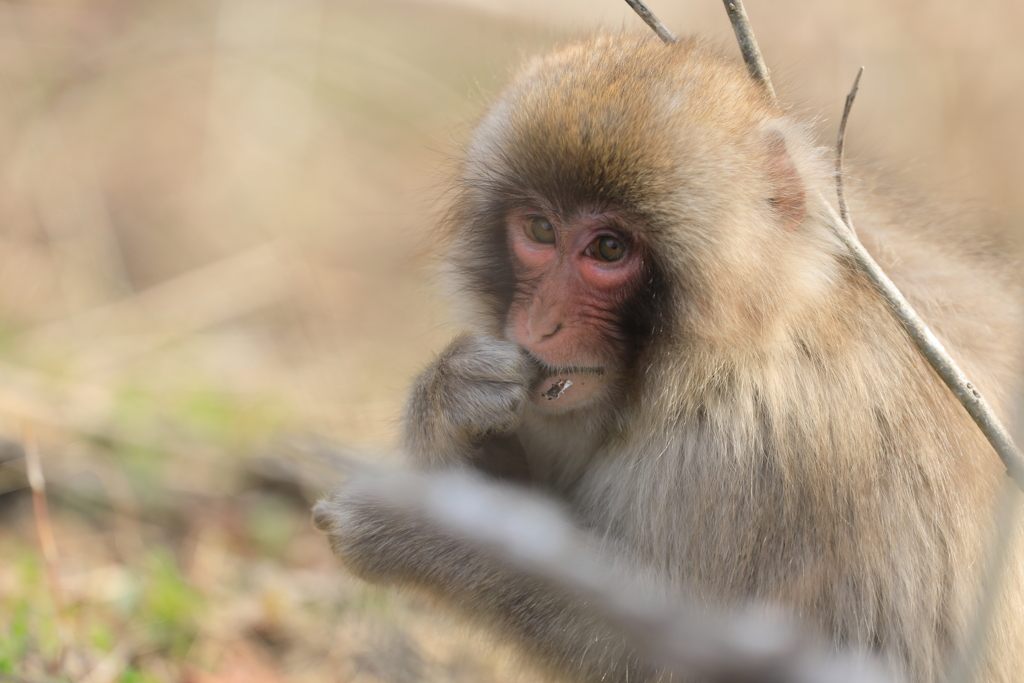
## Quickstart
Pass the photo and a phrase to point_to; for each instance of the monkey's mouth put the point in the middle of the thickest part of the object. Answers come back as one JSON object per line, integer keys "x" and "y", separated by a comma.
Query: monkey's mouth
{"x": 544, "y": 369}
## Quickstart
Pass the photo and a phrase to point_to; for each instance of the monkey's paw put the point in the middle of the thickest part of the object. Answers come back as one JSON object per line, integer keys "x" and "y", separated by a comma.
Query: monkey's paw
{"x": 379, "y": 538}
{"x": 478, "y": 387}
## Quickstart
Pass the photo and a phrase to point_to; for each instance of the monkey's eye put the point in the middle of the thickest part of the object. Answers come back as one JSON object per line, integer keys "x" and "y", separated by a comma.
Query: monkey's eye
{"x": 542, "y": 231}
{"x": 610, "y": 248}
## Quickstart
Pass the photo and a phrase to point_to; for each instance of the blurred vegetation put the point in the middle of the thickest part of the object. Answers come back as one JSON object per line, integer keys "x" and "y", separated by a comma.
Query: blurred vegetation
{"x": 215, "y": 223}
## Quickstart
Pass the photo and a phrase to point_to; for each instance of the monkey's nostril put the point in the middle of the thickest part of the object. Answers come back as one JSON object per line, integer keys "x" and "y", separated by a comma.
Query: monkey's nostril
{"x": 540, "y": 329}
{"x": 552, "y": 333}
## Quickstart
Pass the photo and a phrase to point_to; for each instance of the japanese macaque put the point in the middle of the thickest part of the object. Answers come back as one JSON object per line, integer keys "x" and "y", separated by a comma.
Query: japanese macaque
{"x": 666, "y": 337}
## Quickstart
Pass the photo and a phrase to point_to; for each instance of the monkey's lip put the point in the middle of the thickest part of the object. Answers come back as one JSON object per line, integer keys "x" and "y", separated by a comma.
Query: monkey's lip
{"x": 559, "y": 389}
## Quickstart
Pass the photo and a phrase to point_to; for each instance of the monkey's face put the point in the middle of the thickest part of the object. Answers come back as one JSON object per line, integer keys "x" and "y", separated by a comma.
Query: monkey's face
{"x": 573, "y": 278}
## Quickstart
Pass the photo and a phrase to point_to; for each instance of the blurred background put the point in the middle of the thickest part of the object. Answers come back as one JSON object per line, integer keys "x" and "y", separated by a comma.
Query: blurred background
{"x": 215, "y": 217}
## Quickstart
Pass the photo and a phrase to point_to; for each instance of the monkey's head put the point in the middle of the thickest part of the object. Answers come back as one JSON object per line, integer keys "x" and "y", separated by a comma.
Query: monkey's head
{"x": 625, "y": 198}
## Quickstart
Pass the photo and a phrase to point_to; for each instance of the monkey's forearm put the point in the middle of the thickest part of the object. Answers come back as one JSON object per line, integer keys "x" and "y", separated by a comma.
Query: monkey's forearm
{"x": 384, "y": 541}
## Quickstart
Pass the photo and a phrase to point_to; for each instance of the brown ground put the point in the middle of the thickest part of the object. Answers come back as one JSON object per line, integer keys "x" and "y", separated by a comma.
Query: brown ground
{"x": 214, "y": 218}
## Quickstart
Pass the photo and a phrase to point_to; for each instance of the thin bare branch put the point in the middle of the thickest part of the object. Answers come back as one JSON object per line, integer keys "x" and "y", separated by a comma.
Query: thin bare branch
{"x": 748, "y": 45}
{"x": 44, "y": 528}
{"x": 933, "y": 350}
{"x": 840, "y": 147}
{"x": 36, "y": 481}
{"x": 927, "y": 343}
{"x": 651, "y": 20}
{"x": 940, "y": 360}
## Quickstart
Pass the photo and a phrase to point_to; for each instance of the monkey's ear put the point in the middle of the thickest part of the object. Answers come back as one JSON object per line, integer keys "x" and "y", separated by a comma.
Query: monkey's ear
{"x": 788, "y": 202}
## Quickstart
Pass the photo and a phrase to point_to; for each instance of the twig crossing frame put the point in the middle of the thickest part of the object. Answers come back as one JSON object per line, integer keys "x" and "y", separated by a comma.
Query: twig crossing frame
{"x": 922, "y": 337}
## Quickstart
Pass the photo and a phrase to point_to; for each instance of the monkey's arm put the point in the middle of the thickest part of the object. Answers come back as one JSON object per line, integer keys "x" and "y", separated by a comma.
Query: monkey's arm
{"x": 510, "y": 558}
{"x": 465, "y": 406}
{"x": 382, "y": 539}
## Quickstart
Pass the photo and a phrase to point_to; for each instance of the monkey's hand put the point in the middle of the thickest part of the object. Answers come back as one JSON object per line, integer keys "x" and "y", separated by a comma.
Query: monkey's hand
{"x": 475, "y": 390}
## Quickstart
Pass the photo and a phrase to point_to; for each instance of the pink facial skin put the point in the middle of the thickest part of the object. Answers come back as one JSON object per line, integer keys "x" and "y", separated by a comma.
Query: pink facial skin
{"x": 573, "y": 278}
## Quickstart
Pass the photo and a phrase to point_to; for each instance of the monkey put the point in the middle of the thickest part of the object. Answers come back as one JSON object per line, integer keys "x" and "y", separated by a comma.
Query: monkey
{"x": 664, "y": 336}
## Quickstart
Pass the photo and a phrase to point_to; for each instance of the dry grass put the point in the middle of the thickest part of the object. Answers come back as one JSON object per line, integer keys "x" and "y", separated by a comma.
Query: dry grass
{"x": 214, "y": 218}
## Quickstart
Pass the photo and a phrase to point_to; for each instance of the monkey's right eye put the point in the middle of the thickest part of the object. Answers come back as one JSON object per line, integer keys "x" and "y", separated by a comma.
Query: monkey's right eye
{"x": 541, "y": 230}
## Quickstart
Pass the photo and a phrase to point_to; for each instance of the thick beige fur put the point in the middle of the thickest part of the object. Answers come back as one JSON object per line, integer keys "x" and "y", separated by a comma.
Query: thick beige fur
{"x": 777, "y": 437}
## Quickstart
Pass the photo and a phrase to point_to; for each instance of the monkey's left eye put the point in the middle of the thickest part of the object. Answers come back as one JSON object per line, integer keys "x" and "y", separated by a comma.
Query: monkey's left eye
{"x": 542, "y": 231}
{"x": 610, "y": 248}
